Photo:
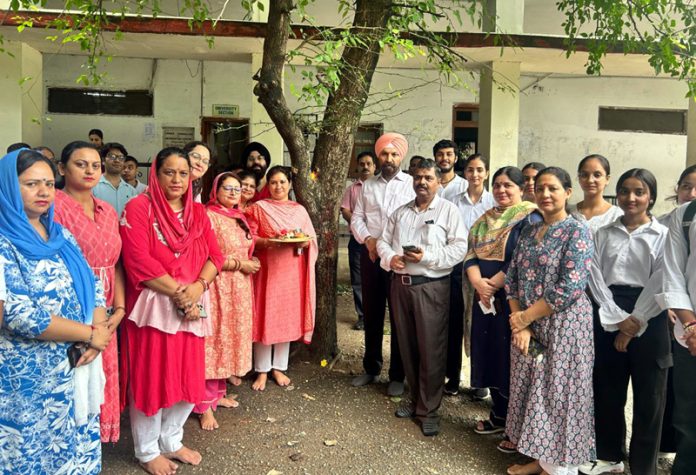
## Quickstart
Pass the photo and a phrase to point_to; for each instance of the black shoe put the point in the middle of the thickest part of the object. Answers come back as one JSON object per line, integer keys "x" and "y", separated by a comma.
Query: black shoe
{"x": 430, "y": 428}
{"x": 451, "y": 388}
{"x": 404, "y": 412}
{"x": 359, "y": 325}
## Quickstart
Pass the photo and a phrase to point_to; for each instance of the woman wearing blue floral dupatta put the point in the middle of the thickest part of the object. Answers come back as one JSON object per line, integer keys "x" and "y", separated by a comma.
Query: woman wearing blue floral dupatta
{"x": 49, "y": 411}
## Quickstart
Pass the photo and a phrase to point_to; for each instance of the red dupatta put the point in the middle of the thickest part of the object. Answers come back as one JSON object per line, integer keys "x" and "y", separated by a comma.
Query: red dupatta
{"x": 233, "y": 213}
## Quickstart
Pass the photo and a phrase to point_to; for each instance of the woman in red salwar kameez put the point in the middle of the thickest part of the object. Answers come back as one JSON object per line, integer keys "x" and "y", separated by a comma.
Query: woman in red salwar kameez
{"x": 228, "y": 349}
{"x": 170, "y": 255}
{"x": 94, "y": 224}
{"x": 284, "y": 291}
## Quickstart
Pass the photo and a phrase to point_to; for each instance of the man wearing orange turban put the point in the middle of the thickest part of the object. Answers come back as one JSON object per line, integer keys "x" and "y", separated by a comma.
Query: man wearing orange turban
{"x": 380, "y": 196}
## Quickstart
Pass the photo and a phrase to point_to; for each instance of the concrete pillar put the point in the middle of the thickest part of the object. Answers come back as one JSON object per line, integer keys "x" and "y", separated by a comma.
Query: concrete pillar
{"x": 503, "y": 16}
{"x": 261, "y": 127}
{"x": 691, "y": 133}
{"x": 21, "y": 95}
{"x": 499, "y": 113}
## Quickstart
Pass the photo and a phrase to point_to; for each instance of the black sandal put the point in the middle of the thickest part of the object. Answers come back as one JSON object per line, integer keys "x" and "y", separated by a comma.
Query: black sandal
{"x": 488, "y": 428}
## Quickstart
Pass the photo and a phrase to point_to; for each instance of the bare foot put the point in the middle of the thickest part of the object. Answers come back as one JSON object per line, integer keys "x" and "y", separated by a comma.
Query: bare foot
{"x": 208, "y": 421}
{"x": 160, "y": 465}
{"x": 235, "y": 380}
{"x": 228, "y": 401}
{"x": 532, "y": 468}
{"x": 185, "y": 455}
{"x": 280, "y": 378}
{"x": 260, "y": 382}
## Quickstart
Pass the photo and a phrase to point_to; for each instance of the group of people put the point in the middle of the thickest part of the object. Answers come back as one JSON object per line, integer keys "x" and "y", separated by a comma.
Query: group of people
{"x": 199, "y": 294}
{"x": 558, "y": 306}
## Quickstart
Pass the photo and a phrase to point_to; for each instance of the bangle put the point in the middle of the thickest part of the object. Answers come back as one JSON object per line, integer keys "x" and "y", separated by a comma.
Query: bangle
{"x": 120, "y": 307}
{"x": 203, "y": 282}
{"x": 91, "y": 335}
{"x": 237, "y": 264}
{"x": 690, "y": 327}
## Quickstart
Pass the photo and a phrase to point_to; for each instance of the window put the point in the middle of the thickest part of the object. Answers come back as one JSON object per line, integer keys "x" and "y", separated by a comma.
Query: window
{"x": 653, "y": 121}
{"x": 94, "y": 101}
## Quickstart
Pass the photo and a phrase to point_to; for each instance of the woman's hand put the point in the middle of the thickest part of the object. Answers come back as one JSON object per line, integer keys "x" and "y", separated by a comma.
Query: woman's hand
{"x": 87, "y": 357}
{"x": 301, "y": 245}
{"x": 621, "y": 342}
{"x": 630, "y": 326}
{"x": 187, "y": 296}
{"x": 519, "y": 321}
{"x": 250, "y": 266}
{"x": 521, "y": 339}
{"x": 115, "y": 319}
{"x": 485, "y": 290}
{"x": 101, "y": 336}
{"x": 193, "y": 314}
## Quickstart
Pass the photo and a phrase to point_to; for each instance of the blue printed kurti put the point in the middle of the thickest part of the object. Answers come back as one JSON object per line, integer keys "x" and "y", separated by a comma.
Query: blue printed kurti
{"x": 38, "y": 432}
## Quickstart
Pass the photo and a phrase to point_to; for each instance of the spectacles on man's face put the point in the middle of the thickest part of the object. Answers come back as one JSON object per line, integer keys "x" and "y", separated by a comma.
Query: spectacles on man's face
{"x": 232, "y": 189}
{"x": 199, "y": 158}
{"x": 116, "y": 157}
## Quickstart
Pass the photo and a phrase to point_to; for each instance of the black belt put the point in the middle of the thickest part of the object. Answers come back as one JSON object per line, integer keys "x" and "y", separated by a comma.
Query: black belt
{"x": 407, "y": 279}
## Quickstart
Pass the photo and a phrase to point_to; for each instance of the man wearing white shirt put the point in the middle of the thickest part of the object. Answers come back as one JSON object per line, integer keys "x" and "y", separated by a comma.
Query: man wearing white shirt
{"x": 446, "y": 155}
{"x": 679, "y": 294}
{"x": 380, "y": 196}
{"x": 421, "y": 243}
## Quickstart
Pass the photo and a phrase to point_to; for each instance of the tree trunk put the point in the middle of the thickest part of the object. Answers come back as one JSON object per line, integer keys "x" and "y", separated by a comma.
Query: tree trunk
{"x": 320, "y": 182}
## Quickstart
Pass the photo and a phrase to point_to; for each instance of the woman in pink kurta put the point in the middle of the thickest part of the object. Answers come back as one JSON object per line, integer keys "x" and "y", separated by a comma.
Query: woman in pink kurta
{"x": 228, "y": 349}
{"x": 284, "y": 291}
{"x": 94, "y": 224}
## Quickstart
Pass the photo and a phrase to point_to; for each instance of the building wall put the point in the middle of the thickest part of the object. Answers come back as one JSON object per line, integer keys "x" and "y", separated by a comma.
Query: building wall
{"x": 559, "y": 126}
{"x": 184, "y": 91}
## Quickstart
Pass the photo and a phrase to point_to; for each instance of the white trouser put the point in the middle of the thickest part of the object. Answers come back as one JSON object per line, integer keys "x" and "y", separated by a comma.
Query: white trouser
{"x": 161, "y": 433}
{"x": 267, "y": 357}
{"x": 558, "y": 470}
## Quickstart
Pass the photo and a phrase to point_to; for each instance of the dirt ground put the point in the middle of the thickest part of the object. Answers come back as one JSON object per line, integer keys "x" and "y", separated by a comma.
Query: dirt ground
{"x": 322, "y": 425}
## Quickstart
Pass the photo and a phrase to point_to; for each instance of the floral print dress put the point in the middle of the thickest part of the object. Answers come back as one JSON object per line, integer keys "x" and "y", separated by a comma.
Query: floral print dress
{"x": 38, "y": 432}
{"x": 550, "y": 414}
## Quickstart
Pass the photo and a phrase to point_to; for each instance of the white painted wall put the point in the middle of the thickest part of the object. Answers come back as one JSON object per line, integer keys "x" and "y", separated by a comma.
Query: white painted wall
{"x": 184, "y": 91}
{"x": 559, "y": 126}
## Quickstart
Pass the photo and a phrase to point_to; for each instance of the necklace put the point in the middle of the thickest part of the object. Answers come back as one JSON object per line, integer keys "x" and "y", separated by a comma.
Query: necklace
{"x": 447, "y": 182}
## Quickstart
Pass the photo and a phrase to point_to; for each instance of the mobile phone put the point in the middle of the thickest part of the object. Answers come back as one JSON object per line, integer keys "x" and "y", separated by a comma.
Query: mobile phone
{"x": 202, "y": 312}
{"x": 410, "y": 248}
{"x": 75, "y": 352}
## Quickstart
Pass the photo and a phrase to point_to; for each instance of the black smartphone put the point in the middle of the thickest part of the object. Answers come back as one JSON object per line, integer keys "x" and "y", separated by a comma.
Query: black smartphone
{"x": 410, "y": 248}
{"x": 75, "y": 352}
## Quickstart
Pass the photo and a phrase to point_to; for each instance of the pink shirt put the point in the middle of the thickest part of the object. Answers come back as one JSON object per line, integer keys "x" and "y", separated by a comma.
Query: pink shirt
{"x": 350, "y": 196}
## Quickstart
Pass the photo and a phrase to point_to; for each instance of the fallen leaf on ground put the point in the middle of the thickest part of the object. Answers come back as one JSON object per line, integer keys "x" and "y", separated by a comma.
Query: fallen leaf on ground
{"x": 293, "y": 443}
{"x": 274, "y": 472}
{"x": 395, "y": 399}
{"x": 271, "y": 419}
{"x": 296, "y": 456}
{"x": 290, "y": 388}
{"x": 330, "y": 443}
{"x": 308, "y": 397}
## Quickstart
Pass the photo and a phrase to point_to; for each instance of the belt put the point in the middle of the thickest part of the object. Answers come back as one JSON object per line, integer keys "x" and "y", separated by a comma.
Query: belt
{"x": 407, "y": 279}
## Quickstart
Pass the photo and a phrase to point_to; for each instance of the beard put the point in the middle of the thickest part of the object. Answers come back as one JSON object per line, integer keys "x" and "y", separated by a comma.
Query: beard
{"x": 258, "y": 172}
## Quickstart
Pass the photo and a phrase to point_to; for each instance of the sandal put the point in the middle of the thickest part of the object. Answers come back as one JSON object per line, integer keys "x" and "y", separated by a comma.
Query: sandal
{"x": 488, "y": 428}
{"x": 506, "y": 446}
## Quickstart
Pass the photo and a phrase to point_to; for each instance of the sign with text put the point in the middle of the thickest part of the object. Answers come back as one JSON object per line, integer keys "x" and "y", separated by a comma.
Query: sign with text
{"x": 226, "y": 110}
{"x": 177, "y": 136}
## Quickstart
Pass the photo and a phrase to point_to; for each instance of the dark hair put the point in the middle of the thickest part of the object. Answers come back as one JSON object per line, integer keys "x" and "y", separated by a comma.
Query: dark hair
{"x": 240, "y": 222}
{"x": 367, "y": 154}
{"x": 446, "y": 143}
{"x": 166, "y": 152}
{"x": 416, "y": 157}
{"x": 562, "y": 175}
{"x": 243, "y": 174}
{"x": 17, "y": 146}
{"x": 97, "y": 132}
{"x": 687, "y": 171}
{"x": 476, "y": 156}
{"x": 287, "y": 171}
{"x": 538, "y": 166}
{"x": 111, "y": 145}
{"x": 428, "y": 164}
{"x": 191, "y": 145}
{"x": 646, "y": 177}
{"x": 258, "y": 147}
{"x": 69, "y": 149}
{"x": 602, "y": 161}
{"x": 27, "y": 158}
{"x": 131, "y": 158}
{"x": 41, "y": 148}
{"x": 513, "y": 173}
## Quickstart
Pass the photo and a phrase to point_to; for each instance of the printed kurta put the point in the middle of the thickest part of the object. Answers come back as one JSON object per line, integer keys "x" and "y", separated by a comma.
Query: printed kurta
{"x": 101, "y": 245}
{"x": 228, "y": 350}
{"x": 550, "y": 414}
{"x": 38, "y": 431}
{"x": 284, "y": 292}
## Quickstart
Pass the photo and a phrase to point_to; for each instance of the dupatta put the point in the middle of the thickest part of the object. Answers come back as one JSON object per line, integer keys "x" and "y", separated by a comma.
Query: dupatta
{"x": 490, "y": 233}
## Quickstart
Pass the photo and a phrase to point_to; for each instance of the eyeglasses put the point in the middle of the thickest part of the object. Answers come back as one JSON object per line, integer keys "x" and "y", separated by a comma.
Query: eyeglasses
{"x": 197, "y": 157}
{"x": 234, "y": 189}
{"x": 116, "y": 157}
